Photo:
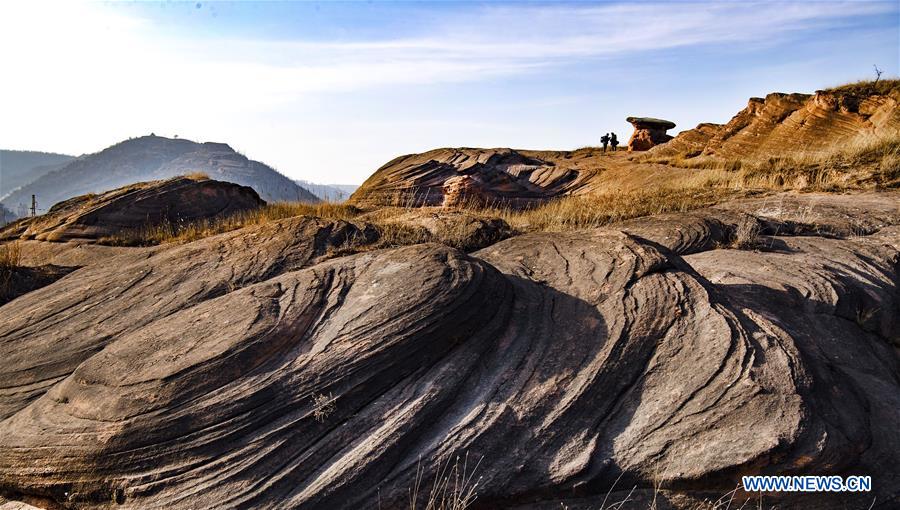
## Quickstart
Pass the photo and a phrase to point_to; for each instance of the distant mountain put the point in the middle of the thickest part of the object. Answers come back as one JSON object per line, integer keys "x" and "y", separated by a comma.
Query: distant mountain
{"x": 6, "y": 215}
{"x": 151, "y": 158}
{"x": 329, "y": 192}
{"x": 18, "y": 168}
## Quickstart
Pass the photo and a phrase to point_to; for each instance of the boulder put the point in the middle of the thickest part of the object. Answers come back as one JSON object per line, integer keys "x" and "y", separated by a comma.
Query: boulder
{"x": 648, "y": 132}
{"x": 141, "y": 206}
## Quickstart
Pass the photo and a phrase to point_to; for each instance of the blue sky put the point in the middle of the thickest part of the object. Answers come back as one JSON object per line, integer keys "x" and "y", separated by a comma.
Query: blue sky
{"x": 329, "y": 91}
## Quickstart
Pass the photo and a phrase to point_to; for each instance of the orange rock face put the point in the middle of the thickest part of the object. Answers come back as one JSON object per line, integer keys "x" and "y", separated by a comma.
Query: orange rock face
{"x": 792, "y": 123}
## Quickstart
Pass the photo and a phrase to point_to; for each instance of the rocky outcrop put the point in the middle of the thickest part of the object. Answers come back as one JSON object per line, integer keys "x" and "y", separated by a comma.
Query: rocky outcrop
{"x": 648, "y": 132}
{"x": 16, "y": 281}
{"x": 243, "y": 371}
{"x": 460, "y": 229}
{"x": 777, "y": 126}
{"x": 141, "y": 206}
{"x": 501, "y": 177}
{"x": 151, "y": 158}
{"x": 780, "y": 124}
{"x": 99, "y": 303}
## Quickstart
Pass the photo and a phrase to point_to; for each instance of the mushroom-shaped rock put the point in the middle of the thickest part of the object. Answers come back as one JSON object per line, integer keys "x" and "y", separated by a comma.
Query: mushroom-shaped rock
{"x": 648, "y": 132}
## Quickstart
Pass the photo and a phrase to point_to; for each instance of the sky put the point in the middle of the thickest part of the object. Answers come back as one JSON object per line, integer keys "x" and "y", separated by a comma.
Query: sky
{"x": 330, "y": 91}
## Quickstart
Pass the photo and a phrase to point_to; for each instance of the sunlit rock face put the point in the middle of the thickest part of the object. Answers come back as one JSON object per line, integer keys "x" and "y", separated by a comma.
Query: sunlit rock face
{"x": 648, "y": 132}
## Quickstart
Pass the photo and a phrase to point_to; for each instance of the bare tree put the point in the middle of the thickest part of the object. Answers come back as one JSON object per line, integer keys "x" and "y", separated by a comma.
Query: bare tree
{"x": 877, "y": 73}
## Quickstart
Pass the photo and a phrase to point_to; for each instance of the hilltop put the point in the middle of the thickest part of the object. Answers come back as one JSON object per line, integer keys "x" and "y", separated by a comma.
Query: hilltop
{"x": 151, "y": 158}
{"x": 842, "y": 138}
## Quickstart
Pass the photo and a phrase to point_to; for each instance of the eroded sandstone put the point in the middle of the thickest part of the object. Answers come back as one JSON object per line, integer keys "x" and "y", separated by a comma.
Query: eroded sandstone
{"x": 244, "y": 371}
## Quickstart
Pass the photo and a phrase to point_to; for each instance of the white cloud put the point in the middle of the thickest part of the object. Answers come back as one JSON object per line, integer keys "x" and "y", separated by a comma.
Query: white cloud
{"x": 81, "y": 75}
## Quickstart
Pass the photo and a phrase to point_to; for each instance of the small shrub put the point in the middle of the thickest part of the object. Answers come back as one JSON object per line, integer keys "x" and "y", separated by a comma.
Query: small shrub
{"x": 746, "y": 234}
{"x": 323, "y": 406}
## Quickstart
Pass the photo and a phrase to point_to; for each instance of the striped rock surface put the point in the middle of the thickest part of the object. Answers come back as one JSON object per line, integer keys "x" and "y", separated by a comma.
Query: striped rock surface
{"x": 246, "y": 371}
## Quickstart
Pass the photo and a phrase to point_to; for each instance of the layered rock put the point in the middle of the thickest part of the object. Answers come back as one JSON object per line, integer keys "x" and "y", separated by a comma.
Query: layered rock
{"x": 238, "y": 372}
{"x": 780, "y": 124}
{"x": 648, "y": 132}
{"x": 81, "y": 313}
{"x": 501, "y": 177}
{"x": 142, "y": 206}
{"x": 776, "y": 126}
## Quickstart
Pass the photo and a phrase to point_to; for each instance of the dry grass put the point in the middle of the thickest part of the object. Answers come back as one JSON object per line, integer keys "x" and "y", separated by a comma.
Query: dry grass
{"x": 10, "y": 255}
{"x": 867, "y": 88}
{"x": 453, "y": 488}
{"x": 746, "y": 235}
{"x": 184, "y": 232}
{"x": 323, "y": 407}
{"x": 872, "y": 162}
{"x": 10, "y": 260}
{"x": 589, "y": 211}
{"x": 197, "y": 176}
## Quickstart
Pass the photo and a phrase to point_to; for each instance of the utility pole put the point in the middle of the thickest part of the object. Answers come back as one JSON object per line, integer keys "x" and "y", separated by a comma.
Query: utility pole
{"x": 33, "y": 206}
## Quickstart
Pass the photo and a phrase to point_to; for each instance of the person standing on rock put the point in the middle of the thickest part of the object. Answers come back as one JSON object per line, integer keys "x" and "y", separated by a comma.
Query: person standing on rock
{"x": 613, "y": 141}
{"x": 605, "y": 141}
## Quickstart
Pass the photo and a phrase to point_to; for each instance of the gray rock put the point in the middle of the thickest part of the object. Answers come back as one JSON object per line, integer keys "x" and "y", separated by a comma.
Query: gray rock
{"x": 238, "y": 372}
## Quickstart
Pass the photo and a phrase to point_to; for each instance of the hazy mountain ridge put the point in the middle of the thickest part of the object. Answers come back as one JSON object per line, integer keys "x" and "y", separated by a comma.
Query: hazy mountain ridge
{"x": 151, "y": 158}
{"x": 329, "y": 192}
{"x": 18, "y": 168}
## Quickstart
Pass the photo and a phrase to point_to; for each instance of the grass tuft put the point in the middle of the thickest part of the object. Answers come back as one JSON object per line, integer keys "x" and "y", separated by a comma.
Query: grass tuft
{"x": 10, "y": 255}
{"x": 867, "y": 88}
{"x": 454, "y": 487}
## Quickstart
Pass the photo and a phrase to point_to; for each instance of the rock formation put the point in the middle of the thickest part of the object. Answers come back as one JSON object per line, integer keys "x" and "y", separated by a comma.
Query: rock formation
{"x": 502, "y": 177}
{"x": 139, "y": 206}
{"x": 777, "y": 125}
{"x": 648, "y": 132}
{"x": 457, "y": 228}
{"x": 252, "y": 370}
{"x": 785, "y": 123}
{"x": 151, "y": 158}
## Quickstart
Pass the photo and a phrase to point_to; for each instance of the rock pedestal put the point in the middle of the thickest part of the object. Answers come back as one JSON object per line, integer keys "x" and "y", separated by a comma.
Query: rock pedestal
{"x": 648, "y": 132}
{"x": 464, "y": 190}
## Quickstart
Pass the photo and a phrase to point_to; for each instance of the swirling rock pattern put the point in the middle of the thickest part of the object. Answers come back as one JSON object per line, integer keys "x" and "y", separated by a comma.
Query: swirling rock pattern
{"x": 243, "y": 371}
